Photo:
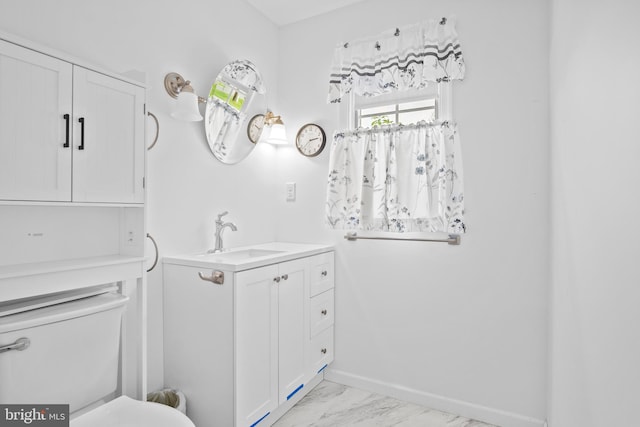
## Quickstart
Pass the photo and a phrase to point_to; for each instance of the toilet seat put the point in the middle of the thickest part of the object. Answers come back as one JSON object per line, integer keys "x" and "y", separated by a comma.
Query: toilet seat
{"x": 126, "y": 412}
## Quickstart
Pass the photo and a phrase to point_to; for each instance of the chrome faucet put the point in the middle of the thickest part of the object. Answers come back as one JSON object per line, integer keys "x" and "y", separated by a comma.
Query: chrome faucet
{"x": 220, "y": 226}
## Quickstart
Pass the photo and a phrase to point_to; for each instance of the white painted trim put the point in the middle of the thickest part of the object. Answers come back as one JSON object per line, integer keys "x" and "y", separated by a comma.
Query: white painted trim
{"x": 433, "y": 401}
{"x": 281, "y": 410}
{"x": 130, "y": 76}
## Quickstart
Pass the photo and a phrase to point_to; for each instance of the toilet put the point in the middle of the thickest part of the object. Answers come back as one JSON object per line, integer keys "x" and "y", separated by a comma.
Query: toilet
{"x": 68, "y": 352}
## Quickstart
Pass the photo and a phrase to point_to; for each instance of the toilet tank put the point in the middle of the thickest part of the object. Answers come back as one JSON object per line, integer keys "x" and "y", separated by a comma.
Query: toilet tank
{"x": 73, "y": 353}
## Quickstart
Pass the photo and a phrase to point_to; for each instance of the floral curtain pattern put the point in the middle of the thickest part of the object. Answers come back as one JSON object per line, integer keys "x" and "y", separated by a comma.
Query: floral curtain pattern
{"x": 397, "y": 178}
{"x": 404, "y": 58}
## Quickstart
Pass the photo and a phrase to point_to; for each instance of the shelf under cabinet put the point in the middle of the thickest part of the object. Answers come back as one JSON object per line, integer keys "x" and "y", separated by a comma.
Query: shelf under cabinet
{"x": 31, "y": 279}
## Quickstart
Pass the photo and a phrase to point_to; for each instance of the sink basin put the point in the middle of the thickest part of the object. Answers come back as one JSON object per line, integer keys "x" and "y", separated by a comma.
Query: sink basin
{"x": 239, "y": 255}
{"x": 248, "y": 257}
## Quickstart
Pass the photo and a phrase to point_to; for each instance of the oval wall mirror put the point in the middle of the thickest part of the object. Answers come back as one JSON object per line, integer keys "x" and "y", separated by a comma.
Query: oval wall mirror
{"x": 237, "y": 95}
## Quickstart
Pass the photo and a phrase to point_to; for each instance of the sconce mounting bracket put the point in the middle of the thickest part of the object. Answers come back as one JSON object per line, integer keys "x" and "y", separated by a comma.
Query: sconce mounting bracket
{"x": 173, "y": 84}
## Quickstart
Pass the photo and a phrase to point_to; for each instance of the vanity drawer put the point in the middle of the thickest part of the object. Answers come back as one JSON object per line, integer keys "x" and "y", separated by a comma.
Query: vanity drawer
{"x": 321, "y": 270}
{"x": 321, "y": 351}
{"x": 321, "y": 312}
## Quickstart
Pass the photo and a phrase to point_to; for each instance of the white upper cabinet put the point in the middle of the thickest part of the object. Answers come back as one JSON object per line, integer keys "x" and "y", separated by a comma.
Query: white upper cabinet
{"x": 68, "y": 134}
{"x": 108, "y": 155}
{"x": 35, "y": 125}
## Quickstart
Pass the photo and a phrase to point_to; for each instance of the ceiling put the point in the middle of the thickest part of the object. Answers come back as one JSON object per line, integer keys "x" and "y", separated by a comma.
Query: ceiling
{"x": 284, "y": 12}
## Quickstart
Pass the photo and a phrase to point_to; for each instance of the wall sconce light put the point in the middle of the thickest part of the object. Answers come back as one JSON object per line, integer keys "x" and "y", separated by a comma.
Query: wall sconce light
{"x": 277, "y": 132}
{"x": 187, "y": 101}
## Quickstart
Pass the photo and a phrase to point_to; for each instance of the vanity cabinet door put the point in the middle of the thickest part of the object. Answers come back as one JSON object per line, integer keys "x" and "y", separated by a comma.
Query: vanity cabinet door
{"x": 270, "y": 319}
{"x": 256, "y": 347}
{"x": 108, "y": 149}
{"x": 35, "y": 98}
{"x": 291, "y": 329}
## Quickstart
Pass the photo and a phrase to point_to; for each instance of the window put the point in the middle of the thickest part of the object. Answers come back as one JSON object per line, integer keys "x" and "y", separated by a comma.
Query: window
{"x": 401, "y": 113}
{"x": 401, "y": 107}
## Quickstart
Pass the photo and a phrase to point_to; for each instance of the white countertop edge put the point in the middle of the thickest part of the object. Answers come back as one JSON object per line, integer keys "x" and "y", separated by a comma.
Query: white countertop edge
{"x": 289, "y": 250}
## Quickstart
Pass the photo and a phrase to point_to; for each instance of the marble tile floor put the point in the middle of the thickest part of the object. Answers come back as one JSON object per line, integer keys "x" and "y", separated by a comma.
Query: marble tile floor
{"x": 336, "y": 405}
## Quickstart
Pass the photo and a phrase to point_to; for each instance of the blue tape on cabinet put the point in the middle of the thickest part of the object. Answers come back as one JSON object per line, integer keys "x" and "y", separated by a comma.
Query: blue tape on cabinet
{"x": 263, "y": 417}
{"x": 295, "y": 391}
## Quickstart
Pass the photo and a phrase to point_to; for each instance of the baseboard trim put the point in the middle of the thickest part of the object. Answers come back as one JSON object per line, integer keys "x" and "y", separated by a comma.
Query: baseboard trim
{"x": 440, "y": 403}
{"x": 283, "y": 408}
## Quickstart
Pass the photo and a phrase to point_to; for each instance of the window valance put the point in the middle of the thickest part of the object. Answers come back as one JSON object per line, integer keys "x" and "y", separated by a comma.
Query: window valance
{"x": 400, "y": 59}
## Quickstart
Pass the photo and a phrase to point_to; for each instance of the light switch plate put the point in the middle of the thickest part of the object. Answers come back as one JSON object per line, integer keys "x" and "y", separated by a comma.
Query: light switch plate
{"x": 290, "y": 191}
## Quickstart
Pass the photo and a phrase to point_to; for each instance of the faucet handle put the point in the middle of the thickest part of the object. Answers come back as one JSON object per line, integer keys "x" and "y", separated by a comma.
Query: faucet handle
{"x": 222, "y": 214}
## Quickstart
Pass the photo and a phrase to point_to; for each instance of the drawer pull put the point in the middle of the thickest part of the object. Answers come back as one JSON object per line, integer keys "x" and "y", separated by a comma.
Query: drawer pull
{"x": 323, "y": 351}
{"x": 323, "y": 312}
{"x": 285, "y": 276}
{"x": 324, "y": 273}
{"x": 276, "y": 279}
{"x": 216, "y": 277}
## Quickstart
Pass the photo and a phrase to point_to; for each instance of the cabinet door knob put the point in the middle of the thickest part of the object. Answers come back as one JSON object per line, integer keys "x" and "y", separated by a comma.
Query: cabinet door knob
{"x": 324, "y": 312}
{"x": 324, "y": 273}
{"x": 276, "y": 279}
{"x": 285, "y": 276}
{"x": 323, "y": 351}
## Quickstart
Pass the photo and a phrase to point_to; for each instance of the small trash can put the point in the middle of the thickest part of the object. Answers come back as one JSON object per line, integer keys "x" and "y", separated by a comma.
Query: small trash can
{"x": 169, "y": 397}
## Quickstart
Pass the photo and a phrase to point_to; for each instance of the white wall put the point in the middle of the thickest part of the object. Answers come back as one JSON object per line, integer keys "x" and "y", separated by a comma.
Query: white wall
{"x": 594, "y": 345}
{"x": 187, "y": 186}
{"x": 459, "y": 328}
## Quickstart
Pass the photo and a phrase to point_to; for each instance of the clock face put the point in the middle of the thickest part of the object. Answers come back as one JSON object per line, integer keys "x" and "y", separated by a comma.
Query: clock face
{"x": 311, "y": 140}
{"x": 254, "y": 128}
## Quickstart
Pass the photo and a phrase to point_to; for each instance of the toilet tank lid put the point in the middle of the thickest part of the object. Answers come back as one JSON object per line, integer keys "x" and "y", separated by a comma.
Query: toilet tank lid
{"x": 60, "y": 312}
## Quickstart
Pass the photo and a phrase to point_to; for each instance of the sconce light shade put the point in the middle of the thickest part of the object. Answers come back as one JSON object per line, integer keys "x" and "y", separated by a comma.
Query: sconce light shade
{"x": 277, "y": 132}
{"x": 277, "y": 135}
{"x": 187, "y": 107}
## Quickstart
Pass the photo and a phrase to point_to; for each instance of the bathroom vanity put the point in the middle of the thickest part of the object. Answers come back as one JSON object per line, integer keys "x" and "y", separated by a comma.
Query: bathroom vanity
{"x": 248, "y": 332}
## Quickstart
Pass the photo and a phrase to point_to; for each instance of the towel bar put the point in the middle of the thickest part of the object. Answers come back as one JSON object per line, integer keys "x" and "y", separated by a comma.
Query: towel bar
{"x": 454, "y": 239}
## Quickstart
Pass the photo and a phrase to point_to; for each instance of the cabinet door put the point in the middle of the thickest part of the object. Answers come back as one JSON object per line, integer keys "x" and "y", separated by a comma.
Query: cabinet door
{"x": 108, "y": 152}
{"x": 35, "y": 96}
{"x": 256, "y": 332}
{"x": 291, "y": 329}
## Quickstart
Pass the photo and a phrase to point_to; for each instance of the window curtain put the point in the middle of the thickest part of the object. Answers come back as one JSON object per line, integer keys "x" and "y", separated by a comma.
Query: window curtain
{"x": 405, "y": 58}
{"x": 396, "y": 178}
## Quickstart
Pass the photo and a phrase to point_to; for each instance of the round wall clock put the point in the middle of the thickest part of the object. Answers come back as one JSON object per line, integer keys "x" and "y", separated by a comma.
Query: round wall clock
{"x": 254, "y": 128}
{"x": 310, "y": 140}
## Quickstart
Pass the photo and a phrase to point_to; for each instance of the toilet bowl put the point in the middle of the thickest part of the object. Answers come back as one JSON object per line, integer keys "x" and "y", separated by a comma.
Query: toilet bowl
{"x": 126, "y": 412}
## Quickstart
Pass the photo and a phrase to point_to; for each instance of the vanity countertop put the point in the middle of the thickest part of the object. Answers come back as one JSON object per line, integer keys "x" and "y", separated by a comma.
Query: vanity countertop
{"x": 247, "y": 257}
